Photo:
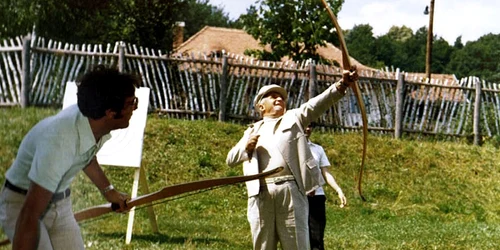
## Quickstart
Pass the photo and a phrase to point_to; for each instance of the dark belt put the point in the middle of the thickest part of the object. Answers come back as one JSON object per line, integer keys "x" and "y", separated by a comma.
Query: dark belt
{"x": 55, "y": 197}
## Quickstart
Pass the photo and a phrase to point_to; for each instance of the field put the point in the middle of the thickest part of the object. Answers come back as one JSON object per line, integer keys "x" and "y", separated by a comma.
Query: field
{"x": 421, "y": 193}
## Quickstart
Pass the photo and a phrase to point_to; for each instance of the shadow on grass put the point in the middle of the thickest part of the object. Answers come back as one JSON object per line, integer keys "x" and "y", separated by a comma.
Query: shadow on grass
{"x": 164, "y": 238}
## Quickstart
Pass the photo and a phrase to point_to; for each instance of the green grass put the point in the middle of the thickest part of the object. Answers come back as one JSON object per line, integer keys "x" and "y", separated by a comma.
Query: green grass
{"x": 421, "y": 194}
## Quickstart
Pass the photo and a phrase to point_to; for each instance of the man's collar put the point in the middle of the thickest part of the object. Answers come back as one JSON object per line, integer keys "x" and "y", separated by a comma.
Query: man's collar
{"x": 87, "y": 139}
{"x": 271, "y": 119}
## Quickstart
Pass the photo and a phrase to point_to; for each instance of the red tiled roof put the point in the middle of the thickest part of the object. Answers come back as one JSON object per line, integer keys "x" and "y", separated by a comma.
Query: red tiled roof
{"x": 214, "y": 39}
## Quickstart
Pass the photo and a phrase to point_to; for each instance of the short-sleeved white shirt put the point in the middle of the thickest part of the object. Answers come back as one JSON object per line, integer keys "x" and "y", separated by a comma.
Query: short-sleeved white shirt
{"x": 320, "y": 156}
{"x": 54, "y": 151}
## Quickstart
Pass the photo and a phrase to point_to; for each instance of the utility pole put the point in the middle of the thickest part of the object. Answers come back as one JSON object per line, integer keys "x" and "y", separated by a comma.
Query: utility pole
{"x": 428, "y": 54}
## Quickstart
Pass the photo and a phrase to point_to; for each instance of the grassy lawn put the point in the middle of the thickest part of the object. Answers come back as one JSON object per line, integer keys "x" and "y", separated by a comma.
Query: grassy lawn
{"x": 421, "y": 194}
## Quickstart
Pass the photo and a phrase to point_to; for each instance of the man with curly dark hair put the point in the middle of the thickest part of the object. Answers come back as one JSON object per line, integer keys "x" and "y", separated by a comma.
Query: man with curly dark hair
{"x": 35, "y": 205}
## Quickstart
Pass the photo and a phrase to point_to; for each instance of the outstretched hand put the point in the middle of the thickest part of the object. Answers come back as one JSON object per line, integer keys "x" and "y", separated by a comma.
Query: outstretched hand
{"x": 349, "y": 77}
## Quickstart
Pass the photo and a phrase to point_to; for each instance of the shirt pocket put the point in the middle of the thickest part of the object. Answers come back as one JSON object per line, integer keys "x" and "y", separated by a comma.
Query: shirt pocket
{"x": 311, "y": 163}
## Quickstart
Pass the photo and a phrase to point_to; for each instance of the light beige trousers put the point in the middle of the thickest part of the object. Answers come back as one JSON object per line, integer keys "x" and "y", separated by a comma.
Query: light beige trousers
{"x": 279, "y": 213}
{"x": 58, "y": 228}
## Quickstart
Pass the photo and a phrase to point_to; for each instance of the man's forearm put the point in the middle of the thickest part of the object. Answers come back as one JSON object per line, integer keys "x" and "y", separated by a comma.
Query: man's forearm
{"x": 316, "y": 106}
{"x": 330, "y": 180}
{"x": 27, "y": 232}
{"x": 96, "y": 175}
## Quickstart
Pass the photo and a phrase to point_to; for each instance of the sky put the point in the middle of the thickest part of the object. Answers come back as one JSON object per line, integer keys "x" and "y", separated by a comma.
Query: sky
{"x": 470, "y": 19}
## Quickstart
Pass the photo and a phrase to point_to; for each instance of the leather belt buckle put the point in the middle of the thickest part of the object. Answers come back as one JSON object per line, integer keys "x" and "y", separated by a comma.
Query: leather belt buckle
{"x": 279, "y": 179}
{"x": 61, "y": 196}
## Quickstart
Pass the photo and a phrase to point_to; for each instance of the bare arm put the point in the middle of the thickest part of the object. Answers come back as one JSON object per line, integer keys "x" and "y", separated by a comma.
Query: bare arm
{"x": 331, "y": 181}
{"x": 97, "y": 176}
{"x": 27, "y": 226}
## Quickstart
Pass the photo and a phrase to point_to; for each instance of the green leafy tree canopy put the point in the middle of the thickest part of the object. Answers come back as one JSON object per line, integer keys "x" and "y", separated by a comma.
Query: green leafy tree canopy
{"x": 148, "y": 23}
{"x": 292, "y": 28}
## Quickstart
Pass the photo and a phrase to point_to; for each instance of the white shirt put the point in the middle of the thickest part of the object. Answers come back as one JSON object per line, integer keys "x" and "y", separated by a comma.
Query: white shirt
{"x": 267, "y": 147}
{"x": 54, "y": 151}
{"x": 320, "y": 156}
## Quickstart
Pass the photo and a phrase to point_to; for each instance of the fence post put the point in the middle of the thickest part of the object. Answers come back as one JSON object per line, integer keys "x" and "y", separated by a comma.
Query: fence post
{"x": 398, "y": 127}
{"x": 477, "y": 114}
{"x": 223, "y": 90}
{"x": 121, "y": 57}
{"x": 26, "y": 68}
{"x": 313, "y": 85}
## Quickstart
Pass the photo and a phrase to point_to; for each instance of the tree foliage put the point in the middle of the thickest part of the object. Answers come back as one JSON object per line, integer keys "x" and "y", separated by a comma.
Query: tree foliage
{"x": 479, "y": 58}
{"x": 295, "y": 29}
{"x": 400, "y": 34}
{"x": 292, "y": 28}
{"x": 362, "y": 43}
{"x": 146, "y": 22}
{"x": 402, "y": 48}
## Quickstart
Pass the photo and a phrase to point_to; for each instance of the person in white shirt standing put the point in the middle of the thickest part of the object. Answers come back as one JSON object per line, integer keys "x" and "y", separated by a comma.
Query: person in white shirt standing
{"x": 317, "y": 199}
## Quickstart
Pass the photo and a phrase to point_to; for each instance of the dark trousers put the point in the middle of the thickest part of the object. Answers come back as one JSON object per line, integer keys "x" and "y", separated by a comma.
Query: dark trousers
{"x": 317, "y": 221}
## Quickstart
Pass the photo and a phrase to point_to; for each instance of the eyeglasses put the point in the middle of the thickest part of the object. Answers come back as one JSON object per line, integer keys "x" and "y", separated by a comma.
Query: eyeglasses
{"x": 134, "y": 103}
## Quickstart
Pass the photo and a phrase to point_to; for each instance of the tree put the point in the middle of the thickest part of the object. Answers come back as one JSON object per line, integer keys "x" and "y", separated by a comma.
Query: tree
{"x": 479, "y": 58}
{"x": 16, "y": 17}
{"x": 441, "y": 55}
{"x": 292, "y": 28}
{"x": 148, "y": 23}
{"x": 458, "y": 43}
{"x": 200, "y": 13}
{"x": 387, "y": 51}
{"x": 400, "y": 34}
{"x": 412, "y": 52}
{"x": 361, "y": 43}
{"x": 61, "y": 20}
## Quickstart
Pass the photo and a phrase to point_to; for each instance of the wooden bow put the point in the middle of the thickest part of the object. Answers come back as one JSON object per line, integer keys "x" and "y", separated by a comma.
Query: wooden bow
{"x": 164, "y": 193}
{"x": 170, "y": 191}
{"x": 346, "y": 64}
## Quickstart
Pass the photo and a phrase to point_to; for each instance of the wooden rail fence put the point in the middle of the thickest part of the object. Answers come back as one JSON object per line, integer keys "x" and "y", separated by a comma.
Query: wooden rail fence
{"x": 34, "y": 71}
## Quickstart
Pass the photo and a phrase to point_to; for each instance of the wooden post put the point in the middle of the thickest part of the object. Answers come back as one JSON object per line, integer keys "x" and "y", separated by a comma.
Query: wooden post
{"x": 313, "y": 85}
{"x": 428, "y": 54}
{"x": 477, "y": 114}
{"x": 223, "y": 90}
{"x": 398, "y": 127}
{"x": 121, "y": 57}
{"x": 26, "y": 68}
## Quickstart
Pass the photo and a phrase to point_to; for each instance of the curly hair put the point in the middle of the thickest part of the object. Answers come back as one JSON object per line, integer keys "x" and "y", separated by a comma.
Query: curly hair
{"x": 104, "y": 88}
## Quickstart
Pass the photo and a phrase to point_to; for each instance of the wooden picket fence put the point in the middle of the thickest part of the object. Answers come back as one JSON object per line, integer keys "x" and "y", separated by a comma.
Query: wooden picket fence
{"x": 34, "y": 71}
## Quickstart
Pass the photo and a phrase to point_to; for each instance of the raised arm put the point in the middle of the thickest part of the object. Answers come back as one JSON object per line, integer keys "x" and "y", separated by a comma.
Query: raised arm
{"x": 316, "y": 106}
